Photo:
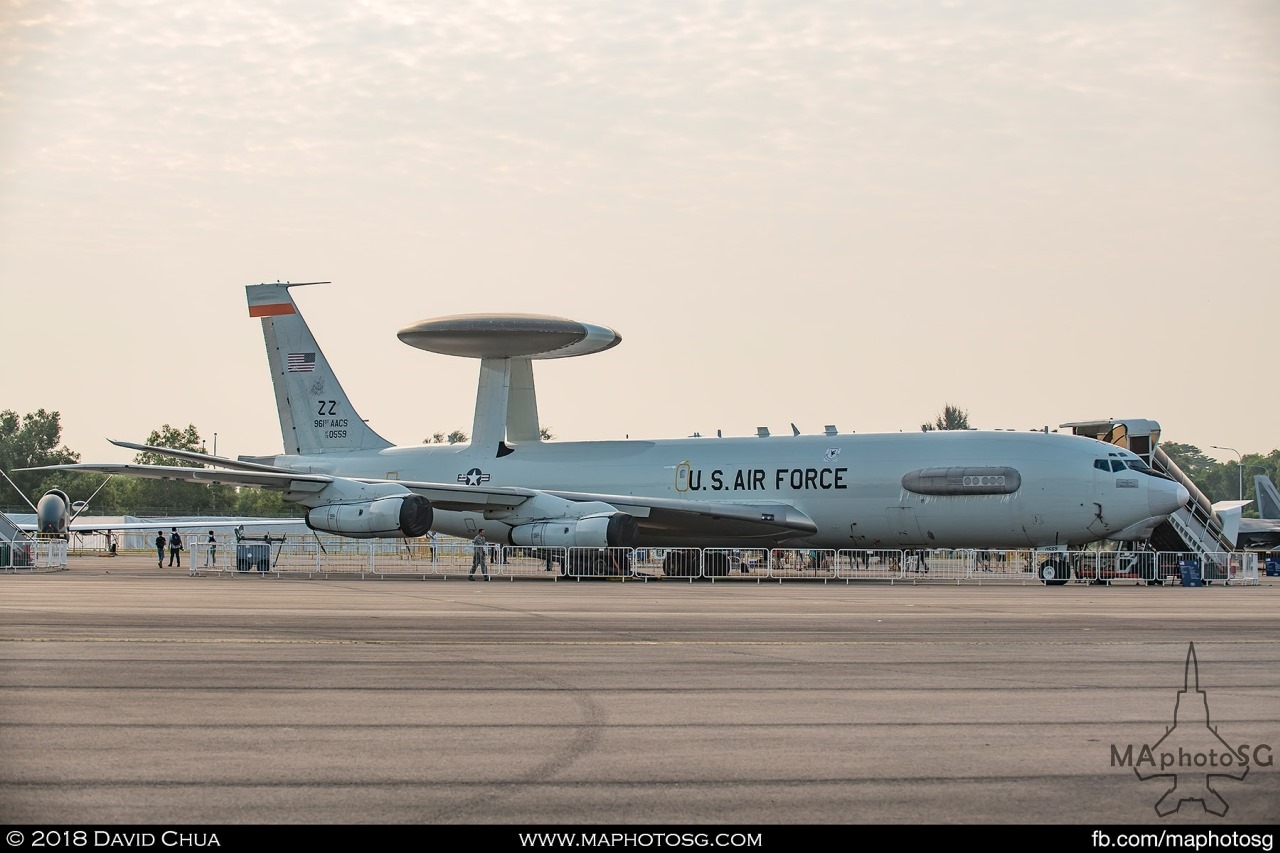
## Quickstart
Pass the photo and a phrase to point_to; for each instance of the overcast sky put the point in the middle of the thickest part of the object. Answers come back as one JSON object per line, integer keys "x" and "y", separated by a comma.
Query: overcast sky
{"x": 847, "y": 213}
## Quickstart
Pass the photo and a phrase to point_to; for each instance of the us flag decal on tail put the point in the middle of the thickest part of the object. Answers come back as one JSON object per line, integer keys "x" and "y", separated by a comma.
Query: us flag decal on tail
{"x": 301, "y": 362}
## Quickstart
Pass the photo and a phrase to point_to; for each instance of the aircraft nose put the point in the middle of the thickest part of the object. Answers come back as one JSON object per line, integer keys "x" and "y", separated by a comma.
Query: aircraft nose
{"x": 49, "y": 516}
{"x": 1168, "y": 498}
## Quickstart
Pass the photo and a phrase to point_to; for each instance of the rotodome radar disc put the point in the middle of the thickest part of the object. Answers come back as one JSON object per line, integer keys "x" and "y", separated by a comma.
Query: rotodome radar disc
{"x": 508, "y": 336}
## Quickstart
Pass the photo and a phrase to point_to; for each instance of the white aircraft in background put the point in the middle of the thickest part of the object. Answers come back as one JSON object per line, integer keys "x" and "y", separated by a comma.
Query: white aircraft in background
{"x": 56, "y": 514}
{"x": 990, "y": 489}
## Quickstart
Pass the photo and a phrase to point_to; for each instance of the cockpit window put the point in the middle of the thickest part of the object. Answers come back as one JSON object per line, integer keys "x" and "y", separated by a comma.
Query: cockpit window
{"x": 1131, "y": 463}
{"x": 1114, "y": 464}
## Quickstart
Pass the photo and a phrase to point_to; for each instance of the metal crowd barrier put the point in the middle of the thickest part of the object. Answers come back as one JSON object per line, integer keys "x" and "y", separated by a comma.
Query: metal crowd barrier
{"x": 329, "y": 556}
{"x": 39, "y": 555}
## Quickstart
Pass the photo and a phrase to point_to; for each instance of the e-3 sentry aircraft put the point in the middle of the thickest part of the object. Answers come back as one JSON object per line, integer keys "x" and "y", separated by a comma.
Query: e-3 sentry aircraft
{"x": 898, "y": 490}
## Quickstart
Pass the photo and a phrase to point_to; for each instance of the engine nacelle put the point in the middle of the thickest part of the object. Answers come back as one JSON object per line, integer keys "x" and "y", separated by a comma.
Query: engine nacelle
{"x": 395, "y": 517}
{"x": 601, "y": 530}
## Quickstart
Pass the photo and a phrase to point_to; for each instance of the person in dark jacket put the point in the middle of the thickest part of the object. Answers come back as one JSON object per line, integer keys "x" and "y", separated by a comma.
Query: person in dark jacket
{"x": 175, "y": 549}
{"x": 478, "y": 548}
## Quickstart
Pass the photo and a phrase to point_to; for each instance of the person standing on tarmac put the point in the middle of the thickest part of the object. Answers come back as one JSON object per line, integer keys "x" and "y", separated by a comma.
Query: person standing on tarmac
{"x": 478, "y": 548}
{"x": 160, "y": 543}
{"x": 175, "y": 548}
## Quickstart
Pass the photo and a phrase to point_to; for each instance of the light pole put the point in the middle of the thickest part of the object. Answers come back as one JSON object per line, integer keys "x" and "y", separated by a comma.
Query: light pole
{"x": 1239, "y": 465}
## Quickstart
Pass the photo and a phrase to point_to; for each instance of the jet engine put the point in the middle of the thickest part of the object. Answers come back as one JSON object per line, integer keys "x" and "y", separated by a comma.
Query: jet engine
{"x": 603, "y": 530}
{"x": 550, "y": 521}
{"x": 371, "y": 511}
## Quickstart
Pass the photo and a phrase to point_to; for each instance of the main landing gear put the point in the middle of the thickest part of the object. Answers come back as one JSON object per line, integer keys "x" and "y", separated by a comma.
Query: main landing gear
{"x": 1055, "y": 572}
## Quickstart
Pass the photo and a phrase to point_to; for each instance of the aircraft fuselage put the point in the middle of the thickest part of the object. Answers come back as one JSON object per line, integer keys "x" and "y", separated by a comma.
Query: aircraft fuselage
{"x": 900, "y": 490}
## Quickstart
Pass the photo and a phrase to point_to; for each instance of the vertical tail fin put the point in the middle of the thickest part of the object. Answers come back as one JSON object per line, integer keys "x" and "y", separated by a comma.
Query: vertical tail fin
{"x": 1267, "y": 497}
{"x": 315, "y": 414}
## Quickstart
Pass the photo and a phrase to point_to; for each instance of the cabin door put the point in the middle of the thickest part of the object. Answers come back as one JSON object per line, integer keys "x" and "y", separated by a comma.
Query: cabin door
{"x": 903, "y": 528}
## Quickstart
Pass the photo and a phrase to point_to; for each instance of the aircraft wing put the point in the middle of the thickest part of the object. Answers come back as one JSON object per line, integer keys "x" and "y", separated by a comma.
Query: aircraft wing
{"x": 265, "y": 479}
{"x": 673, "y": 520}
{"x": 447, "y": 496}
{"x": 1261, "y": 533}
{"x": 203, "y": 458}
{"x": 126, "y": 526}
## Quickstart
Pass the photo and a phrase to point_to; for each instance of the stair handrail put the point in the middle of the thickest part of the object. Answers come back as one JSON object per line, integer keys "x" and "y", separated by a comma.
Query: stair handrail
{"x": 1199, "y": 507}
{"x": 1188, "y": 534}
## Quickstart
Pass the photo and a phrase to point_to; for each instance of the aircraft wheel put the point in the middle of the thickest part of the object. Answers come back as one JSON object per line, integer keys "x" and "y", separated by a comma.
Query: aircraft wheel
{"x": 1054, "y": 573}
{"x": 680, "y": 563}
{"x": 717, "y": 565}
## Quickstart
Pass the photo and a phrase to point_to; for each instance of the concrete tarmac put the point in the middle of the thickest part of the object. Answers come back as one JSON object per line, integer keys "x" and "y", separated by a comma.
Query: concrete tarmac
{"x": 131, "y": 694}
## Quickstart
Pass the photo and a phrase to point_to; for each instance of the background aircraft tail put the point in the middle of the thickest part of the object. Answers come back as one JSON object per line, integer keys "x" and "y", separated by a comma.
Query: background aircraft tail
{"x": 315, "y": 414}
{"x": 1268, "y": 498}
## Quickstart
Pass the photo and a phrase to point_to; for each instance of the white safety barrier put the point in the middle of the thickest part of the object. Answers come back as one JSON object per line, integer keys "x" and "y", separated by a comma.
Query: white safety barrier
{"x": 40, "y": 555}
{"x": 325, "y": 556}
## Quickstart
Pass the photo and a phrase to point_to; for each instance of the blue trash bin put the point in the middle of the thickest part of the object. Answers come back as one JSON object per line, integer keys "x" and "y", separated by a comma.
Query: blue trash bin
{"x": 1273, "y": 568}
{"x": 1190, "y": 571}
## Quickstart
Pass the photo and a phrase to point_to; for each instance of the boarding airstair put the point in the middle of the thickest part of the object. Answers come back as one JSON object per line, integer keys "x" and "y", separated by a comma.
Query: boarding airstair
{"x": 9, "y": 530}
{"x": 11, "y": 533}
{"x": 1196, "y": 526}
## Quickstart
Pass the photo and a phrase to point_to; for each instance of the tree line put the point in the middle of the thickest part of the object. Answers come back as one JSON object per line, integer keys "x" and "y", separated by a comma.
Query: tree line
{"x": 35, "y": 439}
